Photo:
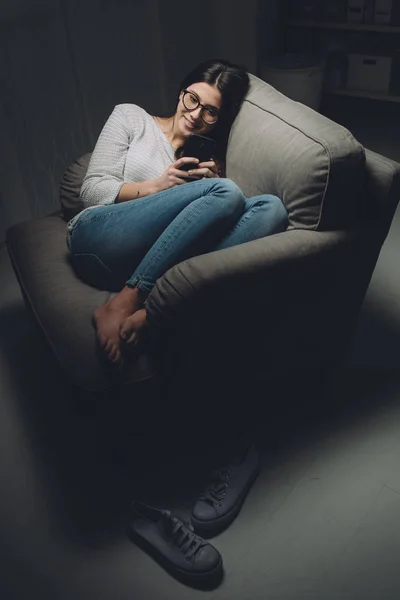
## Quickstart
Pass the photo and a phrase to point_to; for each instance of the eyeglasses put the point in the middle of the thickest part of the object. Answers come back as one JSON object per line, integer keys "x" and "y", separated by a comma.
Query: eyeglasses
{"x": 209, "y": 114}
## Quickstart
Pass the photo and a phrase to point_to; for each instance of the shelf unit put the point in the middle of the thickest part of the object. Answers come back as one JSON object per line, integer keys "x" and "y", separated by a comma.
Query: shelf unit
{"x": 345, "y": 26}
{"x": 358, "y": 27}
{"x": 365, "y": 94}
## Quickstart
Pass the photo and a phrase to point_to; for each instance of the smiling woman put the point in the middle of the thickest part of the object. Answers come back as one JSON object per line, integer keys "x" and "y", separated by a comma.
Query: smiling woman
{"x": 219, "y": 88}
{"x": 143, "y": 214}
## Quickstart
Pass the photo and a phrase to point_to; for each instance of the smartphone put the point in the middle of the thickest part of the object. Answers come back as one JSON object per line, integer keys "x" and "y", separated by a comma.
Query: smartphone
{"x": 199, "y": 146}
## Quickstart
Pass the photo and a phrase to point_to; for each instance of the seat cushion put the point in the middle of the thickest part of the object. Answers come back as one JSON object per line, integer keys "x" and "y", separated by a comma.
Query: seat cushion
{"x": 282, "y": 147}
{"x": 63, "y": 305}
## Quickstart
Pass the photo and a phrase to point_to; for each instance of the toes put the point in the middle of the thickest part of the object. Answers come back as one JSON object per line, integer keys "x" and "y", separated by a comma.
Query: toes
{"x": 117, "y": 360}
{"x": 115, "y": 355}
{"x": 108, "y": 340}
{"x": 108, "y": 347}
{"x": 113, "y": 352}
{"x": 125, "y": 331}
{"x": 102, "y": 340}
{"x": 130, "y": 328}
{"x": 132, "y": 338}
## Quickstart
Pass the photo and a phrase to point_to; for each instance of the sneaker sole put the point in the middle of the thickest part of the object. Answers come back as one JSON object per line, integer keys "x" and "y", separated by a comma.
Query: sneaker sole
{"x": 205, "y": 580}
{"x": 209, "y": 529}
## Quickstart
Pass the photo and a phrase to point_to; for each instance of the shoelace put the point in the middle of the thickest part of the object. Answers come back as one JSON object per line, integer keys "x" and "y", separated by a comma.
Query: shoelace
{"x": 183, "y": 536}
{"x": 216, "y": 491}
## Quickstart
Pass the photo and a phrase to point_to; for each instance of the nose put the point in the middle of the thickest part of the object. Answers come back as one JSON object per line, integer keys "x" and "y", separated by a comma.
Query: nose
{"x": 196, "y": 113}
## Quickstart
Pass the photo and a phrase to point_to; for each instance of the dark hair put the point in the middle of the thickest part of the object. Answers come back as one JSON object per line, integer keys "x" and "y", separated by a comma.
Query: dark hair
{"x": 233, "y": 83}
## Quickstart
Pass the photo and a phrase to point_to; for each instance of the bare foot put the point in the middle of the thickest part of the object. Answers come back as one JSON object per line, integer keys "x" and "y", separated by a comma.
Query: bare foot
{"x": 132, "y": 325}
{"x": 108, "y": 319}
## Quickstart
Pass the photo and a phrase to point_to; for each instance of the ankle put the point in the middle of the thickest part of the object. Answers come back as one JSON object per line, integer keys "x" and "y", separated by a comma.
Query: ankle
{"x": 134, "y": 293}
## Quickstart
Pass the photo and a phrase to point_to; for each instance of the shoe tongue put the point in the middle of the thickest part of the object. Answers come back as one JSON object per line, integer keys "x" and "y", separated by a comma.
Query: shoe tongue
{"x": 169, "y": 520}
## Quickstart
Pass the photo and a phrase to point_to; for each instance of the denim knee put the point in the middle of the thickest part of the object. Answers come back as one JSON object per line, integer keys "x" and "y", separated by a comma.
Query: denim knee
{"x": 232, "y": 198}
{"x": 279, "y": 210}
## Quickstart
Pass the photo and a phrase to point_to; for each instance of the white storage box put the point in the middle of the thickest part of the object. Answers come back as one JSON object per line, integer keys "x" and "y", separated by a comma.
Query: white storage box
{"x": 368, "y": 72}
{"x": 298, "y": 76}
{"x": 383, "y": 11}
{"x": 355, "y": 11}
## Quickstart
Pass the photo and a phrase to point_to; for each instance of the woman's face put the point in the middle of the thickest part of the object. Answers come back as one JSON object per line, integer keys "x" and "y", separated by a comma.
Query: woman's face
{"x": 190, "y": 121}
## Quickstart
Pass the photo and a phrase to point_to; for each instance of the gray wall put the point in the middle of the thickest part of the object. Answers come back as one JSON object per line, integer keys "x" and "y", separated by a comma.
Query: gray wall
{"x": 269, "y": 30}
{"x": 64, "y": 64}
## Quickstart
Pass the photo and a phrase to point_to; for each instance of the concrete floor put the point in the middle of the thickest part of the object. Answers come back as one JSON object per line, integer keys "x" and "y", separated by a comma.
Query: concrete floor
{"x": 321, "y": 522}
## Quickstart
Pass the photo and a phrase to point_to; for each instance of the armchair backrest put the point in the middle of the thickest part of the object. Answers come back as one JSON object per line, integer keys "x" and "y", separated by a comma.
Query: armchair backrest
{"x": 382, "y": 188}
{"x": 283, "y": 147}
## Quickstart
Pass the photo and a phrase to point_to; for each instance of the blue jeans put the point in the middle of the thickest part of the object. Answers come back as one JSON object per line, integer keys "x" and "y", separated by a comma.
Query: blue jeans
{"x": 134, "y": 243}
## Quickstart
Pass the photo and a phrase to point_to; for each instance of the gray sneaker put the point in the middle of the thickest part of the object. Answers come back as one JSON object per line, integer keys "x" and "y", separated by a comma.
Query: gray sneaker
{"x": 172, "y": 543}
{"x": 220, "y": 504}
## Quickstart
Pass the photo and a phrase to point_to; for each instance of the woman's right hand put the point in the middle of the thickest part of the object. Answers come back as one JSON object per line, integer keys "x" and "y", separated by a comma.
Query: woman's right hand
{"x": 174, "y": 175}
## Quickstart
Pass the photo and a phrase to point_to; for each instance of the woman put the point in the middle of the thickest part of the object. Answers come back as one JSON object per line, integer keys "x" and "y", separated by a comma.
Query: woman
{"x": 143, "y": 215}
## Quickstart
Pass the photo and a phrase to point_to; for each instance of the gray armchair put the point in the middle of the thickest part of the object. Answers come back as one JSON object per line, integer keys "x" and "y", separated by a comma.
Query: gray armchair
{"x": 284, "y": 304}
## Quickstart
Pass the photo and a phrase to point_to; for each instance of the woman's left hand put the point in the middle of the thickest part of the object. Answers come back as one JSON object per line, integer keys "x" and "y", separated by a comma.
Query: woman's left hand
{"x": 204, "y": 169}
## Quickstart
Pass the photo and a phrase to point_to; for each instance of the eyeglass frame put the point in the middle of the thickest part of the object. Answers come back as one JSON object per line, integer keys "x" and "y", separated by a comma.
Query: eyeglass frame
{"x": 203, "y": 106}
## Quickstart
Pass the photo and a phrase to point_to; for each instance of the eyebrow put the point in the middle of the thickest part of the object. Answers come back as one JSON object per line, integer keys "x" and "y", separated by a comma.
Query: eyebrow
{"x": 208, "y": 105}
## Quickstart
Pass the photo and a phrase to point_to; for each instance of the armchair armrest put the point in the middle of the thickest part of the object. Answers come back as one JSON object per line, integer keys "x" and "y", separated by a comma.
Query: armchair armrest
{"x": 272, "y": 264}
{"x": 285, "y": 301}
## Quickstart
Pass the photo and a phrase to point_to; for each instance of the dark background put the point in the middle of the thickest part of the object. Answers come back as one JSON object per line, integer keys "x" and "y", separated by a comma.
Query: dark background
{"x": 323, "y": 518}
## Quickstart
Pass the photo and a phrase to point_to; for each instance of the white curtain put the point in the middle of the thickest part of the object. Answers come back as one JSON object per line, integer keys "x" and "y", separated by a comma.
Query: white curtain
{"x": 64, "y": 64}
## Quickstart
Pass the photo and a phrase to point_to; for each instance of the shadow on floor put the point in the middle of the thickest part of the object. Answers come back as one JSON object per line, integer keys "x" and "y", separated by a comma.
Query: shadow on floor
{"x": 93, "y": 463}
{"x": 376, "y": 341}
